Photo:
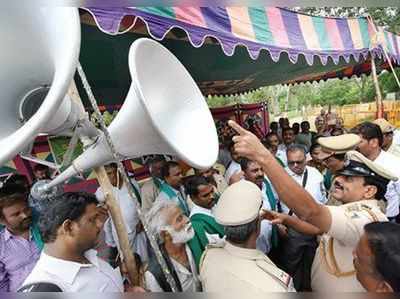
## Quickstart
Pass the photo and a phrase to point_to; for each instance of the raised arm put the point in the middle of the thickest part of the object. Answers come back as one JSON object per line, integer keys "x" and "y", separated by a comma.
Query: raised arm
{"x": 290, "y": 192}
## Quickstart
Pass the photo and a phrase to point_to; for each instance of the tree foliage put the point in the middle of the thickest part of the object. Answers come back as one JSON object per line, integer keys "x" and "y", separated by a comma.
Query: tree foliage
{"x": 334, "y": 91}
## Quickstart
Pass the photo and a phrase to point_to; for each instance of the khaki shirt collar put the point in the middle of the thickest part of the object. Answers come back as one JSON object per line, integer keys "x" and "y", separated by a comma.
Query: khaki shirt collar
{"x": 373, "y": 203}
{"x": 245, "y": 253}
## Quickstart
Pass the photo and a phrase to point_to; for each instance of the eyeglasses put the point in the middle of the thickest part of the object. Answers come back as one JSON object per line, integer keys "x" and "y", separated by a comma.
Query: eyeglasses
{"x": 296, "y": 162}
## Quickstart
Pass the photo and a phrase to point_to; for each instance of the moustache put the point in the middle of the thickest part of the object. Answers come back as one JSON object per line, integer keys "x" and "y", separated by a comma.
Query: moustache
{"x": 259, "y": 178}
{"x": 26, "y": 221}
{"x": 338, "y": 185}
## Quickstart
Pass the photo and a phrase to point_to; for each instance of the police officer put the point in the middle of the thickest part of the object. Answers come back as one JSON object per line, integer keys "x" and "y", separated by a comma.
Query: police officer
{"x": 333, "y": 150}
{"x": 236, "y": 265}
{"x": 358, "y": 185}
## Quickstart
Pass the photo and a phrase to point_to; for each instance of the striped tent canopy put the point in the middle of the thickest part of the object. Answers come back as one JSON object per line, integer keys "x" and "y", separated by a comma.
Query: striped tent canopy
{"x": 235, "y": 49}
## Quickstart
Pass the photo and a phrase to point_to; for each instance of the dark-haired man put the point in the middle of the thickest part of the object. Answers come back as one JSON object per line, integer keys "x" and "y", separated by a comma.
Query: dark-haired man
{"x": 172, "y": 185}
{"x": 233, "y": 170}
{"x": 41, "y": 172}
{"x": 20, "y": 240}
{"x": 371, "y": 147}
{"x": 305, "y": 137}
{"x": 206, "y": 229}
{"x": 358, "y": 185}
{"x": 288, "y": 138}
{"x": 70, "y": 229}
{"x": 377, "y": 257}
{"x": 268, "y": 237}
{"x": 214, "y": 178}
{"x": 151, "y": 188}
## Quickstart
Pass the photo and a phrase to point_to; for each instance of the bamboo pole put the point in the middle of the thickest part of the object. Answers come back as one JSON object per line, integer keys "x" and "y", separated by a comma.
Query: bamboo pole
{"x": 116, "y": 216}
{"x": 126, "y": 251}
{"x": 378, "y": 98}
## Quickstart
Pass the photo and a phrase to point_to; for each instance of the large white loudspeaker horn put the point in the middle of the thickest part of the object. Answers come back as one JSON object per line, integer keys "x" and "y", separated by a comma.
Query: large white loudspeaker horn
{"x": 38, "y": 58}
{"x": 163, "y": 113}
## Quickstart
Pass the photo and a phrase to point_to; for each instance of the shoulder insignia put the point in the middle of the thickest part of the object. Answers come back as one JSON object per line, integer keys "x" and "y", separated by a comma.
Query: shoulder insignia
{"x": 215, "y": 245}
{"x": 353, "y": 208}
{"x": 364, "y": 206}
{"x": 275, "y": 272}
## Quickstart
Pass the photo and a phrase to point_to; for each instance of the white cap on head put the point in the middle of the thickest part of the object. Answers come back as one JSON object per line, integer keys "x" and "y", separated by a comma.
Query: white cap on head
{"x": 239, "y": 204}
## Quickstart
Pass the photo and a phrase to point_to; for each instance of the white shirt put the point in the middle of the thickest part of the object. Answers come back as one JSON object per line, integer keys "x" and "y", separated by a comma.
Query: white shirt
{"x": 396, "y": 137}
{"x": 189, "y": 279}
{"x": 98, "y": 276}
{"x": 233, "y": 168}
{"x": 200, "y": 210}
{"x": 392, "y": 195}
{"x": 281, "y": 153}
{"x": 314, "y": 184}
{"x": 131, "y": 219}
{"x": 263, "y": 242}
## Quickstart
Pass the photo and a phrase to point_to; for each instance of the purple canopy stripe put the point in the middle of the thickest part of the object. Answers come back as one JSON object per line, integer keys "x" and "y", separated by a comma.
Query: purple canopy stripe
{"x": 274, "y": 29}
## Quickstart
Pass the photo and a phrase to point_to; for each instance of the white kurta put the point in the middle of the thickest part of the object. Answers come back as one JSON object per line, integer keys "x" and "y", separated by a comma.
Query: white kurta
{"x": 131, "y": 219}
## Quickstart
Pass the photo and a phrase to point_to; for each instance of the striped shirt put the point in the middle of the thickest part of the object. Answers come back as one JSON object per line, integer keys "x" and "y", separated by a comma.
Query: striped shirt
{"x": 18, "y": 257}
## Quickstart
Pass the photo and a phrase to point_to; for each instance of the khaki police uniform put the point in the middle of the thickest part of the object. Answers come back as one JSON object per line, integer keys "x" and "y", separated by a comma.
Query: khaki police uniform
{"x": 333, "y": 269}
{"x": 226, "y": 267}
{"x": 230, "y": 268}
{"x": 336, "y": 145}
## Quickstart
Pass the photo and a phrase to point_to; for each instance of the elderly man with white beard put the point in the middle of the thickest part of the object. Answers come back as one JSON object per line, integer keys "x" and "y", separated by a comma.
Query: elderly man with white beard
{"x": 173, "y": 230}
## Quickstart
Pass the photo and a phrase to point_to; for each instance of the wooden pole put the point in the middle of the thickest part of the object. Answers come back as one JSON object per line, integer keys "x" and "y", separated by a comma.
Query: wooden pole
{"x": 378, "y": 98}
{"x": 126, "y": 251}
{"x": 116, "y": 215}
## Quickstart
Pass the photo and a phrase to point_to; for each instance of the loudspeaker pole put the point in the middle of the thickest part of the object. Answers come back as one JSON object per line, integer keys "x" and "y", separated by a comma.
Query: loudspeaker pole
{"x": 121, "y": 169}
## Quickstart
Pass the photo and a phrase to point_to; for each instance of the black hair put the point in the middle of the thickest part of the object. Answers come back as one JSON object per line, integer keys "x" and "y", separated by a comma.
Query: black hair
{"x": 239, "y": 234}
{"x": 340, "y": 157}
{"x": 18, "y": 179}
{"x": 384, "y": 241}
{"x": 68, "y": 206}
{"x": 166, "y": 168}
{"x": 244, "y": 163}
{"x": 10, "y": 194}
{"x": 112, "y": 165}
{"x": 380, "y": 183}
{"x": 39, "y": 167}
{"x": 296, "y": 147}
{"x": 271, "y": 134}
{"x": 155, "y": 159}
{"x": 369, "y": 130}
{"x": 274, "y": 124}
{"x": 193, "y": 183}
{"x": 266, "y": 142}
{"x": 284, "y": 130}
{"x": 314, "y": 146}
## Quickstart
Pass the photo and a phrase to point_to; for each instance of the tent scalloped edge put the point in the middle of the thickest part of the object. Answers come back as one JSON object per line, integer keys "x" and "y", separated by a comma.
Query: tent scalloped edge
{"x": 253, "y": 48}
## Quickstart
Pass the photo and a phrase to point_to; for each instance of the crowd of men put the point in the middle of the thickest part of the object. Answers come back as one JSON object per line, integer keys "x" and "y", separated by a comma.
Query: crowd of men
{"x": 294, "y": 210}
